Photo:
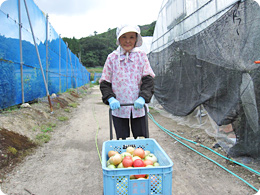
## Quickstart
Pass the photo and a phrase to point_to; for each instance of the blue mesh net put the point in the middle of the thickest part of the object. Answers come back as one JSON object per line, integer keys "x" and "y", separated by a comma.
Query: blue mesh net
{"x": 62, "y": 69}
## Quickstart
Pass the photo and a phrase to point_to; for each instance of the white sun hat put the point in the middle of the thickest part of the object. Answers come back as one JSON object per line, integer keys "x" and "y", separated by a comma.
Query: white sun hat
{"x": 129, "y": 28}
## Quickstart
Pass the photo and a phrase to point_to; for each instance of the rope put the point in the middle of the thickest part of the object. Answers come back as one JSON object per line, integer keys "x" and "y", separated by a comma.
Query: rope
{"x": 93, "y": 111}
{"x": 171, "y": 134}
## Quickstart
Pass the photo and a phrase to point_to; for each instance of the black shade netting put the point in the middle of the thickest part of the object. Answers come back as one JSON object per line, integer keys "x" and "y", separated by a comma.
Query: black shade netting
{"x": 215, "y": 68}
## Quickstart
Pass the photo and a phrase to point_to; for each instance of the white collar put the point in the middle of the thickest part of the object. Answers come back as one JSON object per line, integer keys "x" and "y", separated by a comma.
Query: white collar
{"x": 120, "y": 51}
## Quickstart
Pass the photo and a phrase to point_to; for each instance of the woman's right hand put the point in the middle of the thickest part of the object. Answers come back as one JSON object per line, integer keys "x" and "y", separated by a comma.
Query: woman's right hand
{"x": 113, "y": 103}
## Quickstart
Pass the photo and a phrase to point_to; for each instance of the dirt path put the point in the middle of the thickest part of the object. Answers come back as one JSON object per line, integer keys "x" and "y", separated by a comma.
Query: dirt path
{"x": 69, "y": 163}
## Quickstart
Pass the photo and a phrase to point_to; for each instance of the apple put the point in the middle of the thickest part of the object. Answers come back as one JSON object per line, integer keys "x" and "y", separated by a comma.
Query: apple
{"x": 148, "y": 162}
{"x": 151, "y": 157}
{"x": 132, "y": 177}
{"x": 138, "y": 163}
{"x": 127, "y": 161}
{"x": 156, "y": 164}
{"x": 112, "y": 153}
{"x": 139, "y": 152}
{"x": 130, "y": 149}
{"x": 124, "y": 154}
{"x": 147, "y": 152}
{"x": 111, "y": 166}
{"x": 136, "y": 157}
{"x": 140, "y": 176}
{"x": 115, "y": 159}
{"x": 120, "y": 165}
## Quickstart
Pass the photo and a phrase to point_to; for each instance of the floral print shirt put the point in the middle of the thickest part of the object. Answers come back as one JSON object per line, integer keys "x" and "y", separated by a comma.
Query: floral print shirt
{"x": 126, "y": 79}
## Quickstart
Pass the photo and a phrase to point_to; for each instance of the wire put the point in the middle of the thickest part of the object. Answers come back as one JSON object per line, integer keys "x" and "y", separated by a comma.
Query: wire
{"x": 93, "y": 111}
{"x": 171, "y": 134}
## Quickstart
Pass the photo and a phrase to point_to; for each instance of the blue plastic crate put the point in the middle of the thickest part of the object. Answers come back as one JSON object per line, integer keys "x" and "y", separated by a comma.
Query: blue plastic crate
{"x": 117, "y": 181}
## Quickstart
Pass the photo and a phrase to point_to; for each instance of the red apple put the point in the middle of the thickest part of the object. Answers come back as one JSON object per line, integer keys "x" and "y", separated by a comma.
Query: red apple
{"x": 127, "y": 162}
{"x": 138, "y": 163}
{"x": 140, "y": 176}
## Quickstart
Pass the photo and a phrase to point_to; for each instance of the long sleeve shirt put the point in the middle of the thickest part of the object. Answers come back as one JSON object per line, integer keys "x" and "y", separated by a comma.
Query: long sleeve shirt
{"x": 126, "y": 75}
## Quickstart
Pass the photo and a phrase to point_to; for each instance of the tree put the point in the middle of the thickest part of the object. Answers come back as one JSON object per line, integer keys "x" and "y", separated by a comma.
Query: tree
{"x": 94, "y": 49}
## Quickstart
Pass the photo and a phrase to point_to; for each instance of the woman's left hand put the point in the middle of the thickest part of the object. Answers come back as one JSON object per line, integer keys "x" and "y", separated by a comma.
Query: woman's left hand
{"x": 139, "y": 103}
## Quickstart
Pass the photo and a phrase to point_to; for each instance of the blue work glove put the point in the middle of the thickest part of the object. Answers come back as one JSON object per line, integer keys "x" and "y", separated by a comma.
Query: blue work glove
{"x": 139, "y": 103}
{"x": 113, "y": 103}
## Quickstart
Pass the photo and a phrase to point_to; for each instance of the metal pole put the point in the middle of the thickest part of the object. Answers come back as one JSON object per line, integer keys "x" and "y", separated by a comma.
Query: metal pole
{"x": 59, "y": 64}
{"x": 21, "y": 49}
{"x": 110, "y": 124}
{"x": 76, "y": 74}
{"x": 200, "y": 114}
{"x": 67, "y": 66}
{"x": 38, "y": 55}
{"x": 72, "y": 69}
{"x": 80, "y": 67}
{"x": 47, "y": 59}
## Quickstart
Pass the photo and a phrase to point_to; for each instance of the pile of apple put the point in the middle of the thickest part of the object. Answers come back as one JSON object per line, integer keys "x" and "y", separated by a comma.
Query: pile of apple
{"x": 132, "y": 157}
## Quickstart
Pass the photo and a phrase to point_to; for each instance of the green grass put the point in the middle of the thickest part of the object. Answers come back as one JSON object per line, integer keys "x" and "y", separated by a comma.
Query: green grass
{"x": 67, "y": 110}
{"x": 12, "y": 150}
{"x": 48, "y": 127}
{"x": 70, "y": 90}
{"x": 63, "y": 118}
{"x": 43, "y": 137}
{"x": 93, "y": 70}
{"x": 10, "y": 109}
{"x": 73, "y": 105}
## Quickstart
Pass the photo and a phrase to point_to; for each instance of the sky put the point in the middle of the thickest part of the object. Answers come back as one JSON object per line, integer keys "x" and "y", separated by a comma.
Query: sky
{"x": 80, "y": 18}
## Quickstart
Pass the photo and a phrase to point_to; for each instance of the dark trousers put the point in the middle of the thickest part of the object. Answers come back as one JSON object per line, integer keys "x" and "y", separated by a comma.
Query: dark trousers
{"x": 122, "y": 127}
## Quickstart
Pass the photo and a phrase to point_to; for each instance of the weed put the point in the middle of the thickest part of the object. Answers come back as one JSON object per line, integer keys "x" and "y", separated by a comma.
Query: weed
{"x": 10, "y": 109}
{"x": 51, "y": 125}
{"x": 63, "y": 118}
{"x": 67, "y": 110}
{"x": 95, "y": 69}
{"x": 12, "y": 150}
{"x": 73, "y": 105}
{"x": 35, "y": 128}
{"x": 43, "y": 137}
{"x": 70, "y": 90}
{"x": 46, "y": 129}
{"x": 58, "y": 105}
{"x": 153, "y": 111}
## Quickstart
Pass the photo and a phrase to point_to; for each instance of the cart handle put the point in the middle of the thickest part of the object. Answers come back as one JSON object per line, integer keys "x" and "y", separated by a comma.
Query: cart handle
{"x": 127, "y": 104}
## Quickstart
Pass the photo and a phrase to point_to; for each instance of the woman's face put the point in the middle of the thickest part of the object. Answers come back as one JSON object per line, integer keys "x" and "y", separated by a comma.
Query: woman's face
{"x": 128, "y": 40}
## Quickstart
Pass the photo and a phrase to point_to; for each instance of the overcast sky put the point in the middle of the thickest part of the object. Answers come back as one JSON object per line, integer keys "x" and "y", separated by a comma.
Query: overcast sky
{"x": 80, "y": 18}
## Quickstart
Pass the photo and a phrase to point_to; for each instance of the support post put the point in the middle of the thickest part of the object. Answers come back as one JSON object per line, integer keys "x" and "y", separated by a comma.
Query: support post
{"x": 67, "y": 66}
{"x": 73, "y": 70}
{"x": 59, "y": 64}
{"x": 38, "y": 55}
{"x": 76, "y": 78}
{"x": 47, "y": 50}
{"x": 21, "y": 49}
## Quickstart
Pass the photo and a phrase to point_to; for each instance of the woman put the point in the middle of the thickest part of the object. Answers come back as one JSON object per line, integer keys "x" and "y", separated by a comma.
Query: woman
{"x": 127, "y": 78}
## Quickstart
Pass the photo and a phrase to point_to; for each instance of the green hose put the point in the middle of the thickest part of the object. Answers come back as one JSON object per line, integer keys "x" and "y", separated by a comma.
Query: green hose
{"x": 171, "y": 134}
{"x": 93, "y": 110}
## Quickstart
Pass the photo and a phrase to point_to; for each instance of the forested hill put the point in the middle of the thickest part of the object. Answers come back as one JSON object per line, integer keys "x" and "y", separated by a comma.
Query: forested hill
{"x": 93, "y": 50}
